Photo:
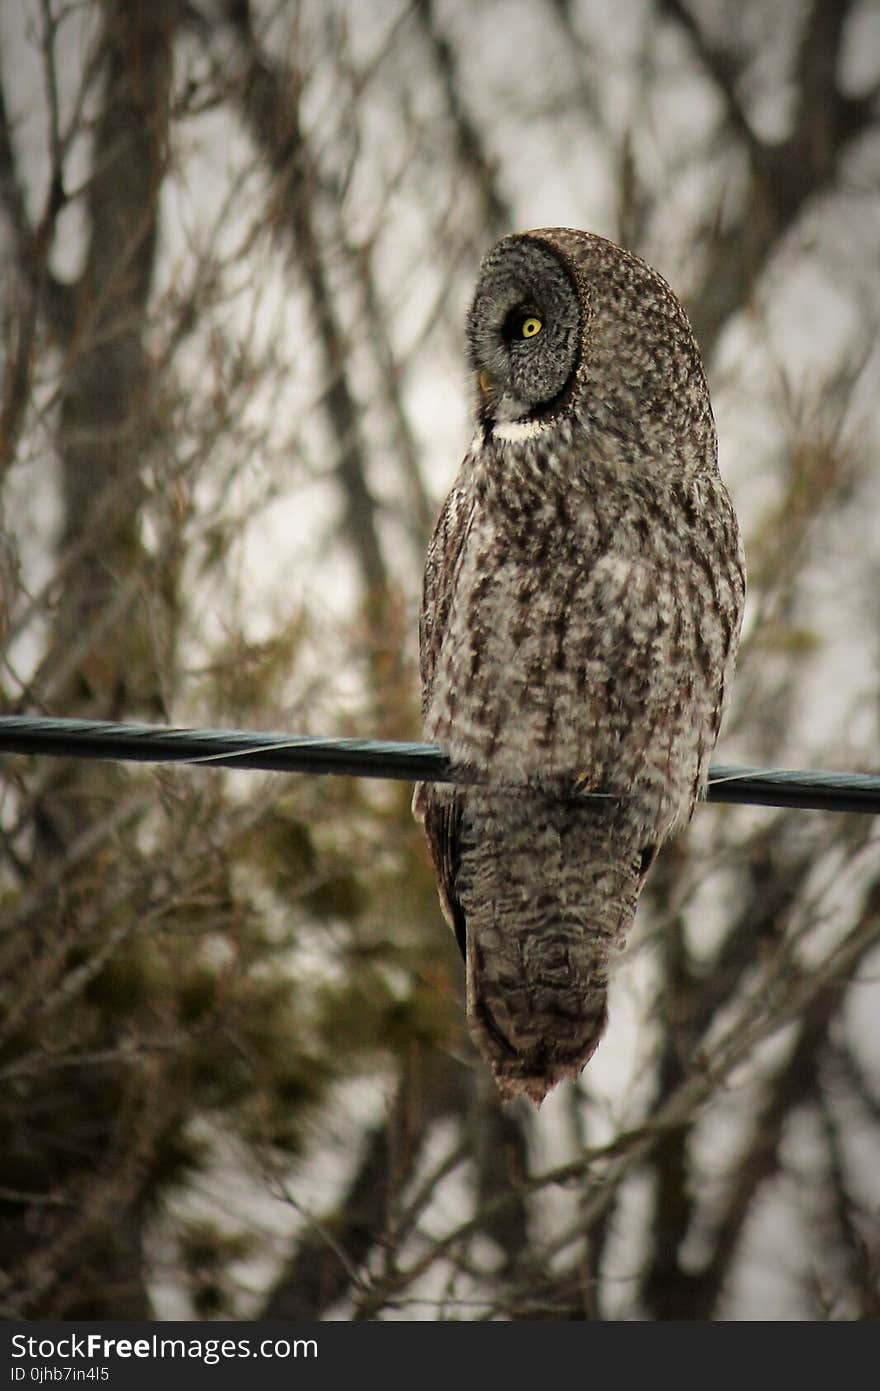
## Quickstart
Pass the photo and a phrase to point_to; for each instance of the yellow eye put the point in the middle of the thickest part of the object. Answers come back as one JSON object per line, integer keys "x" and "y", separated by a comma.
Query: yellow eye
{"x": 530, "y": 327}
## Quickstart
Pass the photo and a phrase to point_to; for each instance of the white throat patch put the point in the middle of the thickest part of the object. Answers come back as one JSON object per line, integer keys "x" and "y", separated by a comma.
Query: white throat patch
{"x": 514, "y": 431}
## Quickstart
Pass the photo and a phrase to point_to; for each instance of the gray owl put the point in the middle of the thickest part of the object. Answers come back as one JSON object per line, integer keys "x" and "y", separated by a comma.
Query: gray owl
{"x": 582, "y": 605}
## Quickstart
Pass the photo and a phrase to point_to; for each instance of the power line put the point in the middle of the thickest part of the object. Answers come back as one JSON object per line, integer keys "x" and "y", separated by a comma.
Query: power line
{"x": 377, "y": 758}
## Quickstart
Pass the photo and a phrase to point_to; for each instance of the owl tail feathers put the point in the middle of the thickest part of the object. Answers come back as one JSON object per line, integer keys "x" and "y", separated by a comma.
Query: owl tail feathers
{"x": 535, "y": 1087}
{"x": 531, "y": 1061}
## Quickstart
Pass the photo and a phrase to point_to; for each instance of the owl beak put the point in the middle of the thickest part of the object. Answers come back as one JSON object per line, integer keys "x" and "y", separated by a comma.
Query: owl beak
{"x": 488, "y": 395}
{"x": 495, "y": 403}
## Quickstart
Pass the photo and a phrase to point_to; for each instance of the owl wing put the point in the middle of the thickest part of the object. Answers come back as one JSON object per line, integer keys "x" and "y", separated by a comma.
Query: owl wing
{"x": 441, "y": 572}
{"x": 441, "y": 812}
{"x": 439, "y": 806}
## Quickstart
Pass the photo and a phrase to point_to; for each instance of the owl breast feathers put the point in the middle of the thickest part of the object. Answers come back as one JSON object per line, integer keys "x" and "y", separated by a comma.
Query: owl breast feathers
{"x": 582, "y": 605}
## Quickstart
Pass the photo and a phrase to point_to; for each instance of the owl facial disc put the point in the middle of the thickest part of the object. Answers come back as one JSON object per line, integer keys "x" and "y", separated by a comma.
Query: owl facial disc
{"x": 523, "y": 331}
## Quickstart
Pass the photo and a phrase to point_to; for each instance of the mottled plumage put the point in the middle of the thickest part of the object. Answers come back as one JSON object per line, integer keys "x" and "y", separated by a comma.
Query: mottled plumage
{"x": 582, "y": 605}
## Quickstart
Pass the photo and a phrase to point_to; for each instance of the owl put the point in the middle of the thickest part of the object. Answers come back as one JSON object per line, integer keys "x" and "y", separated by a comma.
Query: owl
{"x": 582, "y": 603}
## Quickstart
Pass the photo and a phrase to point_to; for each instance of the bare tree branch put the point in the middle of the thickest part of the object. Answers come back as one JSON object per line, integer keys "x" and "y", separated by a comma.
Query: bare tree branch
{"x": 321, "y": 1272}
{"x": 270, "y": 103}
{"x": 469, "y": 142}
{"x": 782, "y": 177}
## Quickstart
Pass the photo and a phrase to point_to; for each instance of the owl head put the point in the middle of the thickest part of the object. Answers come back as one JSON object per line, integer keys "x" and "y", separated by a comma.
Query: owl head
{"x": 567, "y": 326}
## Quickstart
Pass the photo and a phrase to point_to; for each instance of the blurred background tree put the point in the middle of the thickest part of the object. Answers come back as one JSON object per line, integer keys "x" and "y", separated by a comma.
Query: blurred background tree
{"x": 238, "y": 242}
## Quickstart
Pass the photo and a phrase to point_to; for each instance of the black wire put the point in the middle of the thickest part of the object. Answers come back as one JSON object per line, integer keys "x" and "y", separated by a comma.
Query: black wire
{"x": 224, "y": 748}
{"x": 788, "y": 787}
{"x": 376, "y": 758}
